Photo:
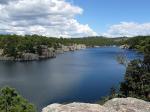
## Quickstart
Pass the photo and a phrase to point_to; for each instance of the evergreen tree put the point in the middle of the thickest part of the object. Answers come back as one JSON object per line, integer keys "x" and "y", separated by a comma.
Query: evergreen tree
{"x": 137, "y": 78}
{"x": 11, "y": 101}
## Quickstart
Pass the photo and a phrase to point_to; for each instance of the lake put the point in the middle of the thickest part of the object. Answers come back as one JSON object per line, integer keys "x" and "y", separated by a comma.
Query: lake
{"x": 80, "y": 76}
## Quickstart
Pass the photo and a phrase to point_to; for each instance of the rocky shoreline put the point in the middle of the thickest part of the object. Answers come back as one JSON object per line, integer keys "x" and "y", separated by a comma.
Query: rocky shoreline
{"x": 45, "y": 53}
{"x": 114, "y": 105}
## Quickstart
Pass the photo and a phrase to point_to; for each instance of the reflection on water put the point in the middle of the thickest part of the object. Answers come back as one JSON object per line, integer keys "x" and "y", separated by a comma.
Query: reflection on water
{"x": 83, "y": 76}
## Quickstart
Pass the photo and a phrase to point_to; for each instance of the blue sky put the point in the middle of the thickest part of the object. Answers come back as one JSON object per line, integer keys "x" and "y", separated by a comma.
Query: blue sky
{"x": 100, "y": 14}
{"x": 75, "y": 18}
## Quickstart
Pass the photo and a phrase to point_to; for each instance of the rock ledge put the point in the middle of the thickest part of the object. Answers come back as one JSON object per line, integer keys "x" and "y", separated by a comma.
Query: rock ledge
{"x": 114, "y": 105}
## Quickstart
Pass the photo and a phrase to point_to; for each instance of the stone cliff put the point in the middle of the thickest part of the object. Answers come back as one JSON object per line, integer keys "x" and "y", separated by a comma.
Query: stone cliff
{"x": 114, "y": 105}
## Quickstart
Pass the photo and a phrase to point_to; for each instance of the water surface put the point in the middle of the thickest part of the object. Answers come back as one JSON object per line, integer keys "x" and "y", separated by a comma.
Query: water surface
{"x": 80, "y": 76}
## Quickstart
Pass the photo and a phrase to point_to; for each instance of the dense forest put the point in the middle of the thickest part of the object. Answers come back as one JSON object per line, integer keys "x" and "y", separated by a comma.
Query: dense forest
{"x": 137, "y": 77}
{"x": 139, "y": 43}
{"x": 11, "y": 101}
{"x": 15, "y": 45}
{"x": 52, "y": 41}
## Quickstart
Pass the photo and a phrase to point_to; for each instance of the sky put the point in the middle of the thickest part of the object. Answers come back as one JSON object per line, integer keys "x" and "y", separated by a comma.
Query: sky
{"x": 75, "y": 18}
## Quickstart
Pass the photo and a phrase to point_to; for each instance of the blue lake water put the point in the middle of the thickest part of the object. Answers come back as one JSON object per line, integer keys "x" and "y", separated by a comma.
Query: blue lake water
{"x": 80, "y": 76}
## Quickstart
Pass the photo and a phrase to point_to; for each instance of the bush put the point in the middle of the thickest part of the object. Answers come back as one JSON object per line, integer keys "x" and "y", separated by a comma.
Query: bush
{"x": 11, "y": 101}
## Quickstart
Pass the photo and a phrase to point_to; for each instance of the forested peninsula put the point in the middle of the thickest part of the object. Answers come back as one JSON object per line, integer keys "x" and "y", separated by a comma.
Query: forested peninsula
{"x": 34, "y": 47}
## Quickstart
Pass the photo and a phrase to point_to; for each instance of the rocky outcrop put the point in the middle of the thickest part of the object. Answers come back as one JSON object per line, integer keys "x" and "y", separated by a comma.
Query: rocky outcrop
{"x": 41, "y": 52}
{"x": 114, "y": 105}
{"x": 128, "y": 105}
{"x": 5, "y": 58}
{"x": 59, "y": 51}
{"x": 29, "y": 57}
{"x": 47, "y": 52}
{"x": 77, "y": 107}
{"x": 73, "y": 47}
{"x": 125, "y": 46}
{"x": 1, "y": 52}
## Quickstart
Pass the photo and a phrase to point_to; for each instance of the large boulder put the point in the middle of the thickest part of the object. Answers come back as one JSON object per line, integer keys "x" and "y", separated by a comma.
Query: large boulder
{"x": 76, "y": 107}
{"x": 128, "y": 105}
{"x": 114, "y": 105}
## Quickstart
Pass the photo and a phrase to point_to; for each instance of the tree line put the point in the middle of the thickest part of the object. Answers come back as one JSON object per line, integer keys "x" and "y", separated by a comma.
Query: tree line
{"x": 139, "y": 42}
{"x": 15, "y": 45}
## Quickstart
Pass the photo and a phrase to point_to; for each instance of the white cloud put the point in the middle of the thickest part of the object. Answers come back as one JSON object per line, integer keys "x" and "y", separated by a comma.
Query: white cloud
{"x": 43, "y": 17}
{"x": 128, "y": 29}
{"x": 6, "y": 1}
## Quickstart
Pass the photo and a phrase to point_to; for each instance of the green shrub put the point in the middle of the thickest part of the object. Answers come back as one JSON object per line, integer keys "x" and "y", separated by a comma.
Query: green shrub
{"x": 11, "y": 101}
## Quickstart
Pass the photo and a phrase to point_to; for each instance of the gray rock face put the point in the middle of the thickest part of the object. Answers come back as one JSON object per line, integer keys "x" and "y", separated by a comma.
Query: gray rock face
{"x": 1, "y": 52}
{"x": 76, "y": 107}
{"x": 47, "y": 52}
{"x": 29, "y": 57}
{"x": 59, "y": 51}
{"x": 114, "y": 105}
{"x": 125, "y": 46}
{"x": 73, "y": 47}
{"x": 44, "y": 53}
{"x": 5, "y": 58}
{"x": 128, "y": 105}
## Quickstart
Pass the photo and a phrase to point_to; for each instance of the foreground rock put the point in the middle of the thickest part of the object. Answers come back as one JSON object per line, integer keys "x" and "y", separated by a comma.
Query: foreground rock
{"x": 76, "y": 107}
{"x": 128, "y": 105}
{"x": 114, "y": 105}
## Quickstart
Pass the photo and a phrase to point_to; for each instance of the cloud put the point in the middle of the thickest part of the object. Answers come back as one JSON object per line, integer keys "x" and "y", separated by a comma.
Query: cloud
{"x": 129, "y": 29}
{"x": 6, "y": 1}
{"x": 43, "y": 17}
